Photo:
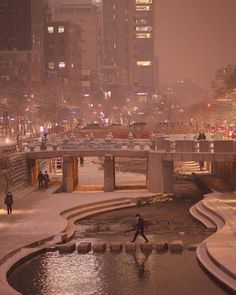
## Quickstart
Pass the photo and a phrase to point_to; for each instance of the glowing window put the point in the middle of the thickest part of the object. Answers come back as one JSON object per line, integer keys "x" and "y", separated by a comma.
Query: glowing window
{"x": 143, "y": 8}
{"x": 143, "y": 35}
{"x": 62, "y": 64}
{"x": 144, "y": 29}
{"x": 143, "y": 1}
{"x": 141, "y": 21}
{"x": 50, "y": 30}
{"x": 61, "y": 29}
{"x": 51, "y": 65}
{"x": 144, "y": 63}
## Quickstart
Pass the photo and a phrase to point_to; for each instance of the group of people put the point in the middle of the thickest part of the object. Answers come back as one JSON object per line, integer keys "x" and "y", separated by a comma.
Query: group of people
{"x": 43, "y": 179}
{"x": 201, "y": 136}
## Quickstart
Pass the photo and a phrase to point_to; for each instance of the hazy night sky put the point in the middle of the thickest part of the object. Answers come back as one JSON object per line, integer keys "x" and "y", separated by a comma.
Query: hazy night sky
{"x": 195, "y": 38}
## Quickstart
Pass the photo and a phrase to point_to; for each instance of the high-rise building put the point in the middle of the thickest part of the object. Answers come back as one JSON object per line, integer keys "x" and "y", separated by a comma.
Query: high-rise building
{"x": 116, "y": 19}
{"x": 85, "y": 14}
{"x": 118, "y": 55}
{"x": 128, "y": 59}
{"x": 22, "y": 34}
{"x": 144, "y": 71}
{"x": 63, "y": 52}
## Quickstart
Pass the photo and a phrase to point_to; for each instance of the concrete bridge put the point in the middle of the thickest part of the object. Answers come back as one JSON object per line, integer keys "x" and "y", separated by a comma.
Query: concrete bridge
{"x": 160, "y": 152}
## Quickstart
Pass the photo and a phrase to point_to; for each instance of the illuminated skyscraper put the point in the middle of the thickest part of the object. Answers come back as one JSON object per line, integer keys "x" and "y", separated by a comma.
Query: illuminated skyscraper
{"x": 128, "y": 60}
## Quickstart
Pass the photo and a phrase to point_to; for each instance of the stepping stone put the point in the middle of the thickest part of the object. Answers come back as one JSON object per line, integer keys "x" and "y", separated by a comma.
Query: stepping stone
{"x": 51, "y": 249}
{"x": 176, "y": 246}
{"x": 146, "y": 247}
{"x": 99, "y": 247}
{"x": 115, "y": 247}
{"x": 161, "y": 246}
{"x": 84, "y": 247}
{"x": 67, "y": 248}
{"x": 193, "y": 247}
{"x": 64, "y": 238}
{"x": 130, "y": 247}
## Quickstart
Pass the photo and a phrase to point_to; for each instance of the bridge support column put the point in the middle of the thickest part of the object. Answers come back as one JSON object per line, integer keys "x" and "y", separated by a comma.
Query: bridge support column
{"x": 109, "y": 173}
{"x": 68, "y": 174}
{"x": 233, "y": 178}
{"x": 75, "y": 172}
{"x": 160, "y": 174}
{"x": 31, "y": 171}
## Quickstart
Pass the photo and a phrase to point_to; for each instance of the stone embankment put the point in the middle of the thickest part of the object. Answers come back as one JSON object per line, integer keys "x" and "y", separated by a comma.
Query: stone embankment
{"x": 217, "y": 253}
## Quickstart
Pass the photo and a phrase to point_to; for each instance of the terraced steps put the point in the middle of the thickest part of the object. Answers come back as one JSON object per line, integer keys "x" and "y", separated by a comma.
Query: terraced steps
{"x": 194, "y": 210}
{"x": 211, "y": 267}
{"x": 83, "y": 211}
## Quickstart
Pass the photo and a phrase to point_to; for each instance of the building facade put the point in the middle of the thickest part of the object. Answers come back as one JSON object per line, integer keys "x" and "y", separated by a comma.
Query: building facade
{"x": 63, "y": 52}
{"x": 22, "y": 34}
{"x": 129, "y": 64}
{"x": 85, "y": 14}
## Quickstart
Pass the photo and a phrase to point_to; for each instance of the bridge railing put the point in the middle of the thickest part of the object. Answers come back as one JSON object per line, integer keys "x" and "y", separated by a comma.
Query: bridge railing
{"x": 158, "y": 143}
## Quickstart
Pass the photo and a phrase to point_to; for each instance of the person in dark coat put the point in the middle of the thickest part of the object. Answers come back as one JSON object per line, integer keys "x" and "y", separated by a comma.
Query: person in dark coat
{"x": 40, "y": 179}
{"x": 139, "y": 228}
{"x": 201, "y": 136}
{"x": 45, "y": 179}
{"x": 9, "y": 202}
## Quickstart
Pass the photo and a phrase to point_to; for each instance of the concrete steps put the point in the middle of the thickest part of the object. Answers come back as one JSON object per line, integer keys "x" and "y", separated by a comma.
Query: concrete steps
{"x": 206, "y": 216}
{"x": 211, "y": 267}
{"x": 196, "y": 213}
{"x": 208, "y": 252}
{"x": 83, "y": 211}
{"x": 216, "y": 218}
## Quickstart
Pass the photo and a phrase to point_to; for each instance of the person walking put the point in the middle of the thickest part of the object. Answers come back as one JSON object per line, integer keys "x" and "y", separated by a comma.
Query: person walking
{"x": 81, "y": 161}
{"x": 9, "y": 202}
{"x": 139, "y": 228}
{"x": 40, "y": 179}
{"x": 46, "y": 179}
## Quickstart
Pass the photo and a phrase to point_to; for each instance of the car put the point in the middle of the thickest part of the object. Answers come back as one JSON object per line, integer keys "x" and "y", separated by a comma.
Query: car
{"x": 93, "y": 125}
{"x": 138, "y": 125}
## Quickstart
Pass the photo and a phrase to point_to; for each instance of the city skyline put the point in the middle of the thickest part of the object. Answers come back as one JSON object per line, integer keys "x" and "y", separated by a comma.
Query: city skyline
{"x": 188, "y": 48}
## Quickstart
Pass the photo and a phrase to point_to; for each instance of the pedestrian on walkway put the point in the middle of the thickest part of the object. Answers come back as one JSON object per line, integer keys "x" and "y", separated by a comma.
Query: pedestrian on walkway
{"x": 40, "y": 179}
{"x": 81, "y": 161}
{"x": 9, "y": 202}
{"x": 201, "y": 136}
{"x": 139, "y": 228}
{"x": 46, "y": 179}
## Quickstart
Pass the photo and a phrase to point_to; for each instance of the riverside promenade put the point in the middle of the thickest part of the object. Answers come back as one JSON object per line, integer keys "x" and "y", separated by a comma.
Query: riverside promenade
{"x": 36, "y": 217}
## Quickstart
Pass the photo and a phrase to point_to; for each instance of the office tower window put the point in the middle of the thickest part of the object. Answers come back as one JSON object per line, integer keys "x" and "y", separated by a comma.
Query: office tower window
{"x": 144, "y": 63}
{"x": 50, "y": 30}
{"x": 143, "y": 8}
{"x": 61, "y": 29}
{"x": 51, "y": 65}
{"x": 143, "y": 35}
{"x": 143, "y": 1}
{"x": 62, "y": 64}
{"x": 144, "y": 29}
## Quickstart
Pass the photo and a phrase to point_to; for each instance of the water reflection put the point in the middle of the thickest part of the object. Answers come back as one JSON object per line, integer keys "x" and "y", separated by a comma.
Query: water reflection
{"x": 113, "y": 274}
{"x": 140, "y": 261}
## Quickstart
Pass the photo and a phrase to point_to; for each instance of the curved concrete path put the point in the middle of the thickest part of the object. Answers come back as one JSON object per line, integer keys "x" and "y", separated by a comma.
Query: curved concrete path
{"x": 218, "y": 252}
{"x": 36, "y": 217}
